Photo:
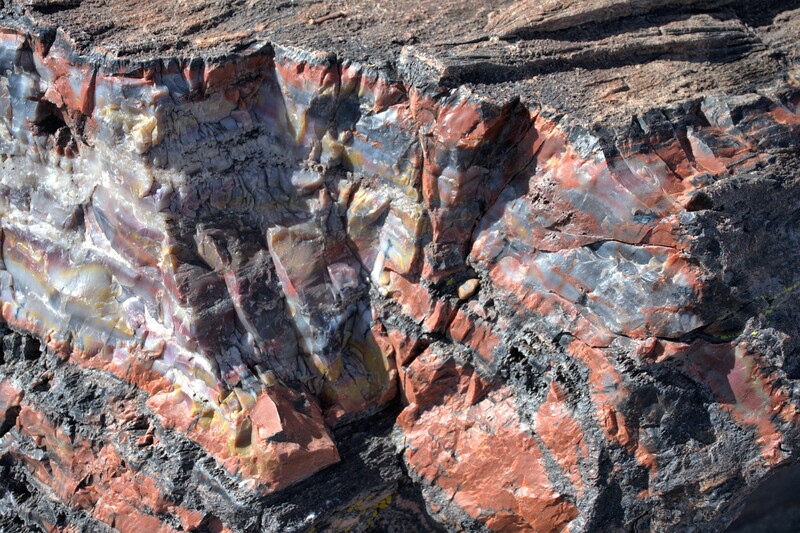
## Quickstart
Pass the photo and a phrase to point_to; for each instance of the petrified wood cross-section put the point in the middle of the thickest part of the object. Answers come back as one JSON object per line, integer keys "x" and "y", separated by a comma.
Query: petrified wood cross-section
{"x": 256, "y": 254}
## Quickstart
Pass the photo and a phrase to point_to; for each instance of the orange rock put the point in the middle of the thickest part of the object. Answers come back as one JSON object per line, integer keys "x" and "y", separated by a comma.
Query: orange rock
{"x": 475, "y": 333}
{"x": 562, "y": 435}
{"x": 10, "y": 398}
{"x": 478, "y": 453}
{"x": 608, "y": 391}
{"x": 96, "y": 479}
{"x": 253, "y": 447}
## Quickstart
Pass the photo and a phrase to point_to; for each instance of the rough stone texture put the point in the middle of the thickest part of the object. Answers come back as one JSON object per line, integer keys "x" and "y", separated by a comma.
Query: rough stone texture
{"x": 398, "y": 266}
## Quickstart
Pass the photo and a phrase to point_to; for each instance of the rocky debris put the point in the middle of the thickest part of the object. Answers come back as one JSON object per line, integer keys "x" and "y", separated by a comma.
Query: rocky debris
{"x": 509, "y": 266}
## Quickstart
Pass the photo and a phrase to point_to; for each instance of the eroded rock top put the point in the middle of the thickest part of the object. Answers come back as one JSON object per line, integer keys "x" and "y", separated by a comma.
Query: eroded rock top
{"x": 599, "y": 60}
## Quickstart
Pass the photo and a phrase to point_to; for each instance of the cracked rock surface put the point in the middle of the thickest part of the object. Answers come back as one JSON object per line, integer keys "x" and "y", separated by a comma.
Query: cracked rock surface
{"x": 399, "y": 266}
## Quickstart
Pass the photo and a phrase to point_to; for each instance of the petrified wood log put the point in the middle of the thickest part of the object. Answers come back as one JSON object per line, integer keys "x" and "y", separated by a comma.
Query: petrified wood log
{"x": 397, "y": 266}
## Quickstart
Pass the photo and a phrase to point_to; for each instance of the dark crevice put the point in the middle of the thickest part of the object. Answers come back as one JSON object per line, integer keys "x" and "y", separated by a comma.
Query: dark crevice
{"x": 762, "y": 14}
{"x": 9, "y": 420}
{"x": 54, "y": 7}
{"x": 51, "y": 125}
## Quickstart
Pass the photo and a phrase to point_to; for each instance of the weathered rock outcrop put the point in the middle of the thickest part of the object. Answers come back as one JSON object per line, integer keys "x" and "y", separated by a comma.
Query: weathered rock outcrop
{"x": 517, "y": 266}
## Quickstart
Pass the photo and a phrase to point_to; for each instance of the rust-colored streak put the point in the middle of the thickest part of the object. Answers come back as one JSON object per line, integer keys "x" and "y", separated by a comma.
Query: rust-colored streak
{"x": 96, "y": 479}
{"x": 476, "y": 451}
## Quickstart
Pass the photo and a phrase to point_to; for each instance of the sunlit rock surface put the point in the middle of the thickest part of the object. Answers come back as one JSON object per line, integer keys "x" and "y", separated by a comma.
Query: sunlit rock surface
{"x": 514, "y": 266}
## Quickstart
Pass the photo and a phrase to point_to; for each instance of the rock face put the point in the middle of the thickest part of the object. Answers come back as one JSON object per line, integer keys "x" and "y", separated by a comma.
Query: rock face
{"x": 302, "y": 266}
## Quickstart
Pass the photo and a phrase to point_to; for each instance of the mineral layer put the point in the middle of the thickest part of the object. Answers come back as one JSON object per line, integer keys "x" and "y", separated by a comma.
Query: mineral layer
{"x": 398, "y": 266}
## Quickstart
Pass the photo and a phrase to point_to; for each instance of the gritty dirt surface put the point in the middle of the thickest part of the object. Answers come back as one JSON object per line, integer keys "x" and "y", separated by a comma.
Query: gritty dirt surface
{"x": 362, "y": 30}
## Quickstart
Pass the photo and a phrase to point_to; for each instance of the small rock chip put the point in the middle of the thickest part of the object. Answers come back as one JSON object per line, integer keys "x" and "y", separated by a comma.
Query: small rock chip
{"x": 468, "y": 288}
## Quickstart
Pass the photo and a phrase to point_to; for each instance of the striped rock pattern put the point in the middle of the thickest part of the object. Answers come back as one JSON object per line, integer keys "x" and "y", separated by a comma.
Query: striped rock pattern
{"x": 549, "y": 267}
